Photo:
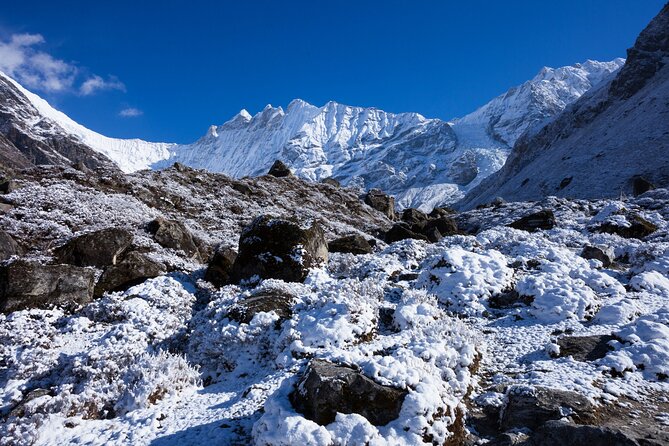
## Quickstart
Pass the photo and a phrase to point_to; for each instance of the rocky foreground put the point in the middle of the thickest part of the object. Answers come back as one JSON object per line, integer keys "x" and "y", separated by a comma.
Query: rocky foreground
{"x": 184, "y": 307}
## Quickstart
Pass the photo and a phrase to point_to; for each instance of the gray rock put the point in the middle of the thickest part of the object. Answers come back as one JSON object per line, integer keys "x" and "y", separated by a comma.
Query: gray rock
{"x": 605, "y": 256}
{"x": 220, "y": 266}
{"x": 9, "y": 186}
{"x": 8, "y": 246}
{"x": 544, "y": 219}
{"x": 279, "y": 170}
{"x": 638, "y": 228}
{"x": 132, "y": 270}
{"x": 327, "y": 388}
{"x": 331, "y": 181}
{"x": 354, "y": 244}
{"x": 532, "y": 406}
{"x": 585, "y": 348}
{"x": 26, "y": 285}
{"x": 266, "y": 301}
{"x": 562, "y": 433}
{"x": 99, "y": 248}
{"x": 381, "y": 202}
{"x": 272, "y": 248}
{"x": 174, "y": 235}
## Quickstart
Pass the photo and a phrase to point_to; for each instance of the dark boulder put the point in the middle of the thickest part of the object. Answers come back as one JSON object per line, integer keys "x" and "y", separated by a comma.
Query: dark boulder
{"x": 8, "y": 246}
{"x": 531, "y": 407}
{"x": 638, "y": 227}
{"x": 544, "y": 219}
{"x": 266, "y": 301}
{"x": 8, "y": 186}
{"x": 132, "y": 270}
{"x": 400, "y": 231}
{"x": 562, "y": 433}
{"x": 641, "y": 185}
{"x": 585, "y": 348}
{"x": 508, "y": 299}
{"x": 99, "y": 248}
{"x": 381, "y": 202}
{"x": 593, "y": 252}
{"x": 279, "y": 170}
{"x": 220, "y": 266}
{"x": 354, "y": 244}
{"x": 174, "y": 235}
{"x": 441, "y": 212}
{"x": 413, "y": 216}
{"x": 445, "y": 225}
{"x": 326, "y": 389}
{"x": 26, "y": 285}
{"x": 273, "y": 248}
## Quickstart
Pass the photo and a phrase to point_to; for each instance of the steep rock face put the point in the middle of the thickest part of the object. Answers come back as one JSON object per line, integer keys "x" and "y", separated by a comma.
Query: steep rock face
{"x": 598, "y": 146}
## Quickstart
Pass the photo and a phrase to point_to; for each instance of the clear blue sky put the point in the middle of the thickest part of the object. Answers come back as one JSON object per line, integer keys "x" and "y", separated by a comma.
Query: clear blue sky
{"x": 189, "y": 64}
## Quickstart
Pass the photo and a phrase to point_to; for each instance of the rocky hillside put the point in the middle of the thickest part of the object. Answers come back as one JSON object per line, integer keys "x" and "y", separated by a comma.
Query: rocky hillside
{"x": 613, "y": 138}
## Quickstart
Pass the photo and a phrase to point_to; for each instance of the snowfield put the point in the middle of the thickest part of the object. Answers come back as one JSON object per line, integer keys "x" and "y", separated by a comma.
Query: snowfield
{"x": 165, "y": 363}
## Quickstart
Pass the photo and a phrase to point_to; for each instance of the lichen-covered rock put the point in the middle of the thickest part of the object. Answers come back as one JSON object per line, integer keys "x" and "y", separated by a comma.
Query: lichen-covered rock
{"x": 173, "y": 234}
{"x": 133, "y": 269}
{"x": 326, "y": 389}
{"x": 354, "y": 244}
{"x": 273, "y": 248}
{"x": 544, "y": 219}
{"x": 25, "y": 284}
{"x": 98, "y": 248}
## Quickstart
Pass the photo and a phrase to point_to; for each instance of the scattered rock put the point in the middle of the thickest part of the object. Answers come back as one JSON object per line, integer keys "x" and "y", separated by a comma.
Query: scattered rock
{"x": 384, "y": 203}
{"x": 401, "y": 231}
{"x": 99, "y": 248}
{"x": 20, "y": 409}
{"x": 242, "y": 188}
{"x": 532, "y": 406}
{"x": 605, "y": 256}
{"x": 331, "y": 181}
{"x": 508, "y": 299}
{"x": 638, "y": 227}
{"x": 273, "y": 248}
{"x": 413, "y": 216}
{"x": 640, "y": 185}
{"x": 354, "y": 244}
{"x": 279, "y": 170}
{"x": 8, "y": 246}
{"x": 273, "y": 300}
{"x": 326, "y": 389}
{"x": 174, "y": 235}
{"x": 445, "y": 225}
{"x": 133, "y": 269}
{"x": 585, "y": 348}
{"x": 441, "y": 212}
{"x": 25, "y": 284}
{"x": 544, "y": 219}
{"x": 561, "y": 433}
{"x": 220, "y": 266}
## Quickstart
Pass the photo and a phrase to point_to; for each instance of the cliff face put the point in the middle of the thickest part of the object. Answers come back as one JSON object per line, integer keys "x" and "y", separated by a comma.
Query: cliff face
{"x": 596, "y": 147}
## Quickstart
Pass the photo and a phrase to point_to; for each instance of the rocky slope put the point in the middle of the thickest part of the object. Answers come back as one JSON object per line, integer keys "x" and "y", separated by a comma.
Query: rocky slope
{"x": 600, "y": 145}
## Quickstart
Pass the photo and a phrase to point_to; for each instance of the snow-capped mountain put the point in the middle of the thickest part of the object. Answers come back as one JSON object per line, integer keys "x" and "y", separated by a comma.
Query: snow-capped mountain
{"x": 57, "y": 139}
{"x": 616, "y": 132}
{"x": 423, "y": 162}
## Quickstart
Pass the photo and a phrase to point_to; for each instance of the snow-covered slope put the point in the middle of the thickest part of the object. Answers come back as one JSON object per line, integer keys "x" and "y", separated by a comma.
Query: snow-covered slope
{"x": 129, "y": 154}
{"x": 424, "y": 162}
{"x": 615, "y": 132}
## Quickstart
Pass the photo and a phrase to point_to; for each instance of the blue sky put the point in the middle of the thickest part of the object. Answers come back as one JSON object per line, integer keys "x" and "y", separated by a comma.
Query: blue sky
{"x": 175, "y": 67}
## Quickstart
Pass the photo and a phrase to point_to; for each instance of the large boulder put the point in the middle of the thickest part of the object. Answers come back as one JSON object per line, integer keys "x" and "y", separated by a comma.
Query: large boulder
{"x": 263, "y": 302}
{"x": 133, "y": 269}
{"x": 354, "y": 244}
{"x": 384, "y": 203}
{"x": 544, "y": 219}
{"x": 604, "y": 255}
{"x": 413, "y": 216}
{"x": 220, "y": 266}
{"x": 8, "y": 246}
{"x": 326, "y": 389}
{"x": 636, "y": 227}
{"x": 274, "y": 248}
{"x": 640, "y": 185}
{"x": 25, "y": 284}
{"x": 279, "y": 170}
{"x": 174, "y": 235}
{"x": 99, "y": 248}
{"x": 585, "y": 348}
{"x": 402, "y": 231}
{"x": 532, "y": 406}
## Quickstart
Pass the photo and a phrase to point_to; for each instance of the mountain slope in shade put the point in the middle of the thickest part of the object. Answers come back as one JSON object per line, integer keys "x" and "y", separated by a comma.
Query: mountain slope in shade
{"x": 424, "y": 162}
{"x": 596, "y": 147}
{"x": 57, "y": 139}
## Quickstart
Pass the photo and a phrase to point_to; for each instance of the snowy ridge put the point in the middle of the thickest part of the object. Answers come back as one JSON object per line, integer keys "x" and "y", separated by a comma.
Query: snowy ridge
{"x": 129, "y": 154}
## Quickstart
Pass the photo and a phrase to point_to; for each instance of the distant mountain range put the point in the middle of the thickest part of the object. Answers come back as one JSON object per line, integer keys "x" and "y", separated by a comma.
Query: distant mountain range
{"x": 423, "y": 162}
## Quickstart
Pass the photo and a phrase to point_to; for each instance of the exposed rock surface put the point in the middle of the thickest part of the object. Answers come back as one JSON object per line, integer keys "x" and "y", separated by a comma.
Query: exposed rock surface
{"x": 98, "y": 248}
{"x": 8, "y": 246}
{"x": 220, "y": 266}
{"x": 384, "y": 203}
{"x": 272, "y": 300}
{"x": 604, "y": 255}
{"x": 173, "y": 234}
{"x": 25, "y": 284}
{"x": 354, "y": 244}
{"x": 635, "y": 227}
{"x": 133, "y": 269}
{"x": 272, "y": 248}
{"x": 561, "y": 433}
{"x": 585, "y": 348}
{"x": 279, "y": 170}
{"x": 327, "y": 388}
{"x": 544, "y": 220}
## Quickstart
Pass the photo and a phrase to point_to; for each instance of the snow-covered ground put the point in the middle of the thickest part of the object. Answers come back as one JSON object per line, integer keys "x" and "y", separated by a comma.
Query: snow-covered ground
{"x": 163, "y": 363}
